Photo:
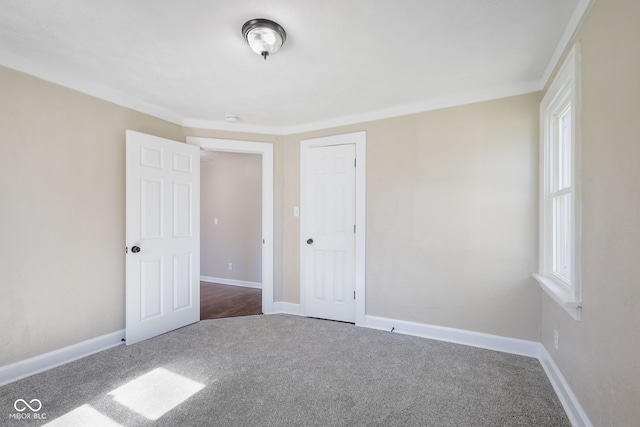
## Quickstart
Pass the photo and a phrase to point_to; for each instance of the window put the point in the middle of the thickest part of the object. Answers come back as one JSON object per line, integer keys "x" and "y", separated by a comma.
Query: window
{"x": 559, "y": 270}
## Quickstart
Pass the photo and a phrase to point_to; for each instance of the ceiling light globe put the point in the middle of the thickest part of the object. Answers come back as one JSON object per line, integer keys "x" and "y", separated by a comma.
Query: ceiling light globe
{"x": 263, "y": 36}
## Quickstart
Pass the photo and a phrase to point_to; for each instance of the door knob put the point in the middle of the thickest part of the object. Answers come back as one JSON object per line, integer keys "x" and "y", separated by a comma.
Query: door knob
{"x": 135, "y": 249}
{"x": 309, "y": 241}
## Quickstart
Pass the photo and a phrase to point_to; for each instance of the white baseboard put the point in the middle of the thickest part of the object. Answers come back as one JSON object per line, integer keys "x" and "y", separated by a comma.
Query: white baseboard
{"x": 457, "y": 336}
{"x": 286, "y": 308}
{"x": 231, "y": 282}
{"x": 44, "y": 362}
{"x": 572, "y": 407}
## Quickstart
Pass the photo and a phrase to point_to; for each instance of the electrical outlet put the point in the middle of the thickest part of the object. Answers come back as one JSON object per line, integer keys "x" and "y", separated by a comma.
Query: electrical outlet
{"x": 230, "y": 266}
{"x": 555, "y": 339}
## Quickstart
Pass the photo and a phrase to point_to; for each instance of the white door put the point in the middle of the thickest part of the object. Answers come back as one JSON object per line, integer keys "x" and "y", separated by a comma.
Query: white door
{"x": 328, "y": 231}
{"x": 162, "y": 236}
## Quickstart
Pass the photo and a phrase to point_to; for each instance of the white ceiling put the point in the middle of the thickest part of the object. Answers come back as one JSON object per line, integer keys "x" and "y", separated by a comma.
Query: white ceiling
{"x": 344, "y": 61}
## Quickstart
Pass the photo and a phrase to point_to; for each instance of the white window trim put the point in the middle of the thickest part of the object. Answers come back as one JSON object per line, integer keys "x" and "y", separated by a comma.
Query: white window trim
{"x": 566, "y": 83}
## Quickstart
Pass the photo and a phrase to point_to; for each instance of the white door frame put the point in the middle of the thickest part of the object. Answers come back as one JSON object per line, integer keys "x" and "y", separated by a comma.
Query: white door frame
{"x": 266, "y": 150}
{"x": 360, "y": 141}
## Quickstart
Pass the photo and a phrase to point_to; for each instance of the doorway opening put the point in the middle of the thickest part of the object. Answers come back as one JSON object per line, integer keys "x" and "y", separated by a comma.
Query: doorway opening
{"x": 242, "y": 291}
{"x": 230, "y": 234}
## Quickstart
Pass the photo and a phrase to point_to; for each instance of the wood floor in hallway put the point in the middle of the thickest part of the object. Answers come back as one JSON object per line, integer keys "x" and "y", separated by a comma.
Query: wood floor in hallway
{"x": 218, "y": 301}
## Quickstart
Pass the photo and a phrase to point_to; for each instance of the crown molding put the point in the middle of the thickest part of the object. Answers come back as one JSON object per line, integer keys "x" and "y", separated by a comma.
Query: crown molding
{"x": 572, "y": 28}
{"x": 402, "y": 110}
{"x": 105, "y": 93}
{"x": 233, "y": 127}
{"x": 454, "y": 100}
{"x": 54, "y": 75}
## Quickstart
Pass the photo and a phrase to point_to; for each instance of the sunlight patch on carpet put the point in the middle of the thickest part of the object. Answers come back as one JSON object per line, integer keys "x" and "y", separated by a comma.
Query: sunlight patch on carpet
{"x": 83, "y": 416}
{"x": 155, "y": 393}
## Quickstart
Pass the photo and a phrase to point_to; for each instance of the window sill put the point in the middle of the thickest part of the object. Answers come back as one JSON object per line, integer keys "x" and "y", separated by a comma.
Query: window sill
{"x": 560, "y": 294}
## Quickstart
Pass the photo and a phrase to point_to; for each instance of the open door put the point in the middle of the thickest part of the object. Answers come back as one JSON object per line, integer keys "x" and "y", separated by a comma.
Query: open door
{"x": 162, "y": 236}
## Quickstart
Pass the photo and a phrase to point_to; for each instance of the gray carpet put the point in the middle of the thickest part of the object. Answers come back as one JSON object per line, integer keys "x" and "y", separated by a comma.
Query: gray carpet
{"x": 281, "y": 370}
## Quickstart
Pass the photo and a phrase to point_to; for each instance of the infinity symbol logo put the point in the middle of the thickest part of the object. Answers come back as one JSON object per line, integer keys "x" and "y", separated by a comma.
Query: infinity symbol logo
{"x": 22, "y": 405}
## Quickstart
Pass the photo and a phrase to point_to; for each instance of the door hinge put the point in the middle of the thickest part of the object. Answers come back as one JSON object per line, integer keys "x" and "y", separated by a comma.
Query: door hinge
{"x": 354, "y": 162}
{"x": 126, "y": 249}
{"x": 354, "y": 294}
{"x": 354, "y": 229}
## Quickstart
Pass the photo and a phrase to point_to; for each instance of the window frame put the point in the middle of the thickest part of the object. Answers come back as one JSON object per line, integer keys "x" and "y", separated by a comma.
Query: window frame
{"x": 563, "y": 94}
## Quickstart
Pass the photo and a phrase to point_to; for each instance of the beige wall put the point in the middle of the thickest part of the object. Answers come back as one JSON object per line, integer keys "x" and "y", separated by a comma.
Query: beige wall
{"x": 451, "y": 217}
{"x": 600, "y": 355}
{"x": 231, "y": 191}
{"x": 62, "y": 172}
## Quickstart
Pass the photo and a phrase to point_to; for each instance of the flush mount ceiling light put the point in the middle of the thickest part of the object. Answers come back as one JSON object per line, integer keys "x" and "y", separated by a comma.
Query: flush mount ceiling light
{"x": 264, "y": 37}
